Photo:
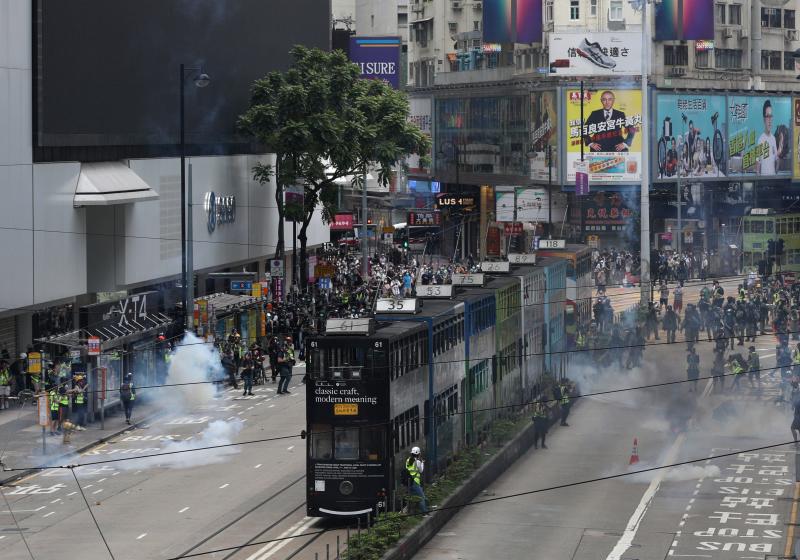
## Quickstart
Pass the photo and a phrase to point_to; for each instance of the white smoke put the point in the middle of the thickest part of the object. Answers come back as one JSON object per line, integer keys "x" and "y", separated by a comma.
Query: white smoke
{"x": 192, "y": 453}
{"x": 194, "y": 364}
{"x": 691, "y": 472}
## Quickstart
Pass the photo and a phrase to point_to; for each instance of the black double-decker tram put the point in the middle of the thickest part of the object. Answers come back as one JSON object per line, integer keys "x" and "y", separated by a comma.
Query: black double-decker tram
{"x": 347, "y": 412}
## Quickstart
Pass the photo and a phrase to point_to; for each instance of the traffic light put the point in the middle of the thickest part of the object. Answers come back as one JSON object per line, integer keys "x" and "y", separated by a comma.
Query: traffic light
{"x": 405, "y": 243}
{"x": 771, "y": 247}
{"x": 779, "y": 247}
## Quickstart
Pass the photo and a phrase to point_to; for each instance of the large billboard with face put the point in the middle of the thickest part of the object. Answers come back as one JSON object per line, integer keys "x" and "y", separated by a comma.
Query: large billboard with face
{"x": 690, "y": 138}
{"x": 796, "y": 136}
{"x": 759, "y": 135}
{"x": 543, "y": 156}
{"x": 610, "y": 134}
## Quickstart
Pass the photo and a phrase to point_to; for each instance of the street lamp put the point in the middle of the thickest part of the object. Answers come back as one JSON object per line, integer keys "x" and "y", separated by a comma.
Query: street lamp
{"x": 200, "y": 80}
{"x": 644, "y": 205}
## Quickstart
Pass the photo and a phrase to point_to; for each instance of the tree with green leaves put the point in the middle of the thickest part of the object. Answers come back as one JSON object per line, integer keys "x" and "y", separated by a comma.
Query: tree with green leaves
{"x": 325, "y": 123}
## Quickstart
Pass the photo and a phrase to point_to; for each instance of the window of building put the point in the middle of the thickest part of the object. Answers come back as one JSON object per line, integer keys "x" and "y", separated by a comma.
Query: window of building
{"x": 771, "y": 17}
{"x": 676, "y": 55}
{"x": 728, "y": 58}
{"x": 702, "y": 59}
{"x": 452, "y": 27}
{"x": 592, "y": 7}
{"x": 372, "y": 21}
{"x": 548, "y": 11}
{"x": 788, "y": 19}
{"x": 771, "y": 60}
{"x": 719, "y": 13}
{"x": 402, "y": 19}
{"x": 788, "y": 60}
{"x": 735, "y": 14}
{"x": 574, "y": 9}
{"x": 615, "y": 10}
{"x": 476, "y": 25}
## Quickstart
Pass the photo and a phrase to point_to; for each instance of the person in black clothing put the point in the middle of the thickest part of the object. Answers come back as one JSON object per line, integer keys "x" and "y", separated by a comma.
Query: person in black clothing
{"x": 616, "y": 138}
{"x": 247, "y": 374}
{"x": 670, "y": 323}
{"x": 796, "y": 420}
{"x": 127, "y": 394}
{"x": 230, "y": 369}
{"x": 540, "y": 425}
{"x": 693, "y": 368}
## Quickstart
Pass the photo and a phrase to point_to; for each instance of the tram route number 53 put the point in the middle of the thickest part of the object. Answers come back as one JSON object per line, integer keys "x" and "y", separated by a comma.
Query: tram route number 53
{"x": 435, "y": 290}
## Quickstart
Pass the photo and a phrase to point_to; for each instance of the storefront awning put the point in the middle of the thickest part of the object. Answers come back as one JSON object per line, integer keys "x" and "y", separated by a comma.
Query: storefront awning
{"x": 113, "y": 334}
{"x": 110, "y": 182}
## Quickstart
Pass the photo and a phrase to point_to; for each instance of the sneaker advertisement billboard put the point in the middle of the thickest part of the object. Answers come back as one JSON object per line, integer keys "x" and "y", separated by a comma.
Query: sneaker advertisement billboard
{"x": 691, "y": 139}
{"x": 611, "y": 136}
{"x": 595, "y": 54}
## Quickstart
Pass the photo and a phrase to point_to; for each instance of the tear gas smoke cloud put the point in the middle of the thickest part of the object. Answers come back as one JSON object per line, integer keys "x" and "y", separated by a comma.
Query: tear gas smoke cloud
{"x": 193, "y": 362}
{"x": 218, "y": 432}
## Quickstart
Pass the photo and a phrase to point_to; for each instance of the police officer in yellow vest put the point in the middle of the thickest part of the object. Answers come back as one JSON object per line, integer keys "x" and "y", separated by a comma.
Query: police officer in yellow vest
{"x": 55, "y": 421}
{"x": 5, "y": 384}
{"x": 562, "y": 396}
{"x": 737, "y": 370}
{"x": 79, "y": 403}
{"x": 414, "y": 466}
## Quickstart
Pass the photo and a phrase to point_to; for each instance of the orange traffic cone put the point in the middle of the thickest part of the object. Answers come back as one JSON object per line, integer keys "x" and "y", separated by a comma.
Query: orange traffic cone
{"x": 635, "y": 453}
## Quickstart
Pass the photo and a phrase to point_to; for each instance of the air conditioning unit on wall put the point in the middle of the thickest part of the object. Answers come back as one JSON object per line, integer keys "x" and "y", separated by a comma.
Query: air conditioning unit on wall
{"x": 727, "y": 33}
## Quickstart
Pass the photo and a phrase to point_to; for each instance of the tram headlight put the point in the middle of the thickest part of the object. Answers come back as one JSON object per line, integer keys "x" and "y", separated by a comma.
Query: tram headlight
{"x": 346, "y": 487}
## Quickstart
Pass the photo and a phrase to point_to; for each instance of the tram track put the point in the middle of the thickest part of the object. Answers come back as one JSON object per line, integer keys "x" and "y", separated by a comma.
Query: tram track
{"x": 245, "y": 514}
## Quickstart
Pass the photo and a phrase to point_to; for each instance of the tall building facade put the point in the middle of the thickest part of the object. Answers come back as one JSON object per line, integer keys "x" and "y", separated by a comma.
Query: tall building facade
{"x": 506, "y": 114}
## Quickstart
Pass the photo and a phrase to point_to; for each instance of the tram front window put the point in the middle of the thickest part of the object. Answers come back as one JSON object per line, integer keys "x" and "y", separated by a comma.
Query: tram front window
{"x": 346, "y": 443}
{"x": 321, "y": 441}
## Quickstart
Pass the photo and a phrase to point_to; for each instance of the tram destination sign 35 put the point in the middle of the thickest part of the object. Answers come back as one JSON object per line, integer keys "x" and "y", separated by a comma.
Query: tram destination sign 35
{"x": 391, "y": 305}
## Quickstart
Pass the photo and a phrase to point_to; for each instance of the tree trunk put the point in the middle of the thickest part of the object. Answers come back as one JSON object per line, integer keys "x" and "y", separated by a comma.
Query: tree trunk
{"x": 303, "y": 258}
{"x": 279, "y": 247}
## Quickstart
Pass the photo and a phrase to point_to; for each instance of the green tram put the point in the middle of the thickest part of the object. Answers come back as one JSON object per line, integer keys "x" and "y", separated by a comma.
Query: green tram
{"x": 766, "y": 237}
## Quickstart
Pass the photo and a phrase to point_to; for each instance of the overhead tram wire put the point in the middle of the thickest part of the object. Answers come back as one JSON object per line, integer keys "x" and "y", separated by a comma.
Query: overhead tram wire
{"x": 470, "y": 359}
{"x": 506, "y": 497}
{"x": 380, "y": 424}
{"x": 91, "y": 513}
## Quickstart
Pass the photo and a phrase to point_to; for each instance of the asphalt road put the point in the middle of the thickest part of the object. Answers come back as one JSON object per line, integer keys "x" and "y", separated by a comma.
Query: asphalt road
{"x": 181, "y": 504}
{"x": 734, "y": 507}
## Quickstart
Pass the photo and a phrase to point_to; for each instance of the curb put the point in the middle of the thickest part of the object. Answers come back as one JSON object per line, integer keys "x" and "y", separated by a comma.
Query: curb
{"x": 27, "y": 472}
{"x": 423, "y": 532}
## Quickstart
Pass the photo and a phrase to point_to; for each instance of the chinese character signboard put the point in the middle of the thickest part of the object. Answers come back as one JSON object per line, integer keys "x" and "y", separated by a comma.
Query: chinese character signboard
{"x": 759, "y": 137}
{"x": 684, "y": 20}
{"x": 611, "y": 134}
{"x": 512, "y": 228}
{"x": 423, "y": 218}
{"x": 342, "y": 222}
{"x": 691, "y": 138}
{"x": 605, "y": 212}
{"x": 595, "y": 54}
{"x": 378, "y": 58}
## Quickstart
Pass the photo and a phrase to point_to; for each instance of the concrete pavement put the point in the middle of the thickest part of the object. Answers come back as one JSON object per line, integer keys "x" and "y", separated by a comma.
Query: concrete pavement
{"x": 172, "y": 505}
{"x": 737, "y": 507}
